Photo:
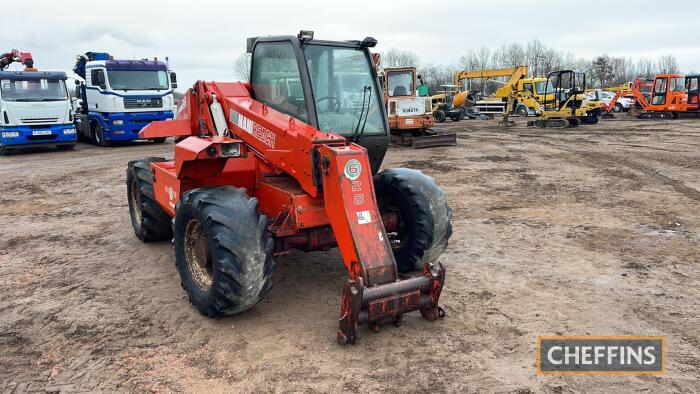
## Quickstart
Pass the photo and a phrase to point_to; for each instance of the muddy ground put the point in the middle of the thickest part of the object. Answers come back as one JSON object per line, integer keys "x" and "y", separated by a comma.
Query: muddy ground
{"x": 594, "y": 231}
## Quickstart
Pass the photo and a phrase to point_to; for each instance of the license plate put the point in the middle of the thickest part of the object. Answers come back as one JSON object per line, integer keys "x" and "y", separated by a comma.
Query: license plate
{"x": 41, "y": 132}
{"x": 409, "y": 121}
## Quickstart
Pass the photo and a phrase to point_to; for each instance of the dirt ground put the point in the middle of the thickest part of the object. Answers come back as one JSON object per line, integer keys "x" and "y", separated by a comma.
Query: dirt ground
{"x": 589, "y": 231}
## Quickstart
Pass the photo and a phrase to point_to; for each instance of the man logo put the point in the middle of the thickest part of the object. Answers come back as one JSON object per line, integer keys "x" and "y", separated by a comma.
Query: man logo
{"x": 353, "y": 169}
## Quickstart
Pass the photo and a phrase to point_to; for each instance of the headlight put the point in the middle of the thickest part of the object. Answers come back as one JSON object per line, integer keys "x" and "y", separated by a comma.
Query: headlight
{"x": 118, "y": 122}
{"x": 231, "y": 150}
{"x": 10, "y": 134}
{"x": 68, "y": 131}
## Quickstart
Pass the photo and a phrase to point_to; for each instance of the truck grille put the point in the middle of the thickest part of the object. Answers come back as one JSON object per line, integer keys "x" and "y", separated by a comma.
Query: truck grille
{"x": 143, "y": 103}
{"x": 39, "y": 120}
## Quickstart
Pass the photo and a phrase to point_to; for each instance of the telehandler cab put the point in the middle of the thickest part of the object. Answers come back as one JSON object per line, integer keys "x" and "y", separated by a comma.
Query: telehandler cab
{"x": 288, "y": 160}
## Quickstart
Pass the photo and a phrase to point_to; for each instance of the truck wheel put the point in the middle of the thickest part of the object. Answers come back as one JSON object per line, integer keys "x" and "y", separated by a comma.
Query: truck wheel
{"x": 223, "y": 250}
{"x": 617, "y": 107}
{"x": 522, "y": 111}
{"x": 439, "y": 116}
{"x": 66, "y": 147}
{"x": 150, "y": 222}
{"x": 424, "y": 217}
{"x": 98, "y": 135}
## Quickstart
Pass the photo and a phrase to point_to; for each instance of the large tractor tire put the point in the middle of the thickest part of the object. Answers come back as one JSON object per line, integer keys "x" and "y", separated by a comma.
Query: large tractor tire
{"x": 424, "y": 216}
{"x": 150, "y": 222}
{"x": 223, "y": 250}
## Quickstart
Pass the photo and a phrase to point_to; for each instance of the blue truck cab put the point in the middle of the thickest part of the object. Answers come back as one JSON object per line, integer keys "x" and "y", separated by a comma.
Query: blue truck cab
{"x": 120, "y": 97}
{"x": 35, "y": 110}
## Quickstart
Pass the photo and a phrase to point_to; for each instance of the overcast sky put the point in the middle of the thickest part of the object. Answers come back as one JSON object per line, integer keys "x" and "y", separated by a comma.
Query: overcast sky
{"x": 203, "y": 38}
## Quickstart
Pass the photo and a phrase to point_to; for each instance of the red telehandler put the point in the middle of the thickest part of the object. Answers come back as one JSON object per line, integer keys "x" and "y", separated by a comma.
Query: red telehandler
{"x": 287, "y": 161}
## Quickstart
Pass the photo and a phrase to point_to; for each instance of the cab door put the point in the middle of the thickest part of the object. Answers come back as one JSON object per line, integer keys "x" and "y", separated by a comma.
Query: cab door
{"x": 658, "y": 97}
{"x": 693, "y": 88}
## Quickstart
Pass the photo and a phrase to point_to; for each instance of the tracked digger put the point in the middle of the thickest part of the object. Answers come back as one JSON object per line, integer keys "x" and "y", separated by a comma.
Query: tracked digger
{"x": 290, "y": 160}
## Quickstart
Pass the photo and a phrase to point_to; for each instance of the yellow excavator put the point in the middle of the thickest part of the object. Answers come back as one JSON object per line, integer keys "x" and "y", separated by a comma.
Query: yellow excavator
{"x": 556, "y": 106}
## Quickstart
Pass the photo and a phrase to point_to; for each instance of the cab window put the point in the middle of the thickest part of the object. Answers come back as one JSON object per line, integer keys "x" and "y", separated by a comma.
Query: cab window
{"x": 528, "y": 88}
{"x": 276, "y": 80}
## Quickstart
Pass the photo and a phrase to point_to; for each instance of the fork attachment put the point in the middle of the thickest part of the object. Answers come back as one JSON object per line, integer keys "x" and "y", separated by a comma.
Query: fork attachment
{"x": 385, "y": 303}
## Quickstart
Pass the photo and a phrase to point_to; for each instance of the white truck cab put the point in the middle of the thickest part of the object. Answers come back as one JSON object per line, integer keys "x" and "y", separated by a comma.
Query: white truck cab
{"x": 35, "y": 110}
{"x": 120, "y": 97}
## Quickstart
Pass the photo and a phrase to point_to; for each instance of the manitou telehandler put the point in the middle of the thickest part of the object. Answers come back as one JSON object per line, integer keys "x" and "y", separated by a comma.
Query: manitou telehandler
{"x": 290, "y": 160}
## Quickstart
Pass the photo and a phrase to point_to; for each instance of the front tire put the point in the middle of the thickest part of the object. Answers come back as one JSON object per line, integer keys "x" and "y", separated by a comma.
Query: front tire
{"x": 617, "y": 108}
{"x": 424, "y": 216}
{"x": 98, "y": 135}
{"x": 439, "y": 116}
{"x": 522, "y": 111}
{"x": 223, "y": 250}
{"x": 150, "y": 222}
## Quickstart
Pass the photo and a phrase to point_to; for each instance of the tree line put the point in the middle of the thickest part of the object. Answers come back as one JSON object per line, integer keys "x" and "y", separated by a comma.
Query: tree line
{"x": 602, "y": 71}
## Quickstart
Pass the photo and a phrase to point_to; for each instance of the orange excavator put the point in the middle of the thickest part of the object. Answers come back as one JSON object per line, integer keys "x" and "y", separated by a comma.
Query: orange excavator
{"x": 18, "y": 56}
{"x": 672, "y": 96}
{"x": 290, "y": 160}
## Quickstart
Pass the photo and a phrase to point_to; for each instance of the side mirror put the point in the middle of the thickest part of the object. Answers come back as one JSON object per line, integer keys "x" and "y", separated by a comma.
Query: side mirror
{"x": 173, "y": 80}
{"x": 419, "y": 77}
{"x": 77, "y": 83}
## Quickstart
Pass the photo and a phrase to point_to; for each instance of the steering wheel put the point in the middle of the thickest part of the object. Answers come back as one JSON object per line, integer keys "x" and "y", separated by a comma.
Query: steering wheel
{"x": 336, "y": 102}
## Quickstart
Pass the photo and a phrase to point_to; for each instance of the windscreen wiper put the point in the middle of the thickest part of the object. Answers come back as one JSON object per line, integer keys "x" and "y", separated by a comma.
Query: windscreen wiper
{"x": 365, "y": 100}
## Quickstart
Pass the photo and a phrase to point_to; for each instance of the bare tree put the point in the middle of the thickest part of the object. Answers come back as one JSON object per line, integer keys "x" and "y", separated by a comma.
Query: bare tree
{"x": 395, "y": 57}
{"x": 241, "y": 67}
{"x": 508, "y": 56}
{"x": 668, "y": 64}
{"x": 602, "y": 71}
{"x": 437, "y": 75}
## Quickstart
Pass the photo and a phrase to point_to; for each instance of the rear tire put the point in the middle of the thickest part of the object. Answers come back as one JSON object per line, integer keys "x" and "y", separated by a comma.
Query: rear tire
{"x": 150, "y": 222}
{"x": 424, "y": 216}
{"x": 223, "y": 250}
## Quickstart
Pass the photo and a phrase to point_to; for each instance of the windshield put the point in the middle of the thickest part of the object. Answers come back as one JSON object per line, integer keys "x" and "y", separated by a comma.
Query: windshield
{"x": 343, "y": 84}
{"x": 34, "y": 90}
{"x": 400, "y": 83}
{"x": 138, "y": 80}
{"x": 543, "y": 87}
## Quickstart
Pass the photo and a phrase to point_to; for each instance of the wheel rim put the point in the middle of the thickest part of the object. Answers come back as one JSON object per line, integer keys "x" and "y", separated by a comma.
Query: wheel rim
{"x": 135, "y": 203}
{"x": 399, "y": 237}
{"x": 98, "y": 138}
{"x": 198, "y": 255}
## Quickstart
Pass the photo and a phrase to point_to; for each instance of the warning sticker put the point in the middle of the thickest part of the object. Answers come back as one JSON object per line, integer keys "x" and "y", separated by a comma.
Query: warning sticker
{"x": 363, "y": 217}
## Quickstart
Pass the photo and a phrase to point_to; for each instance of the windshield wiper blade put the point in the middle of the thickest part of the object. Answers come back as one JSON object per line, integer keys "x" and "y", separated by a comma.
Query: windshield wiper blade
{"x": 354, "y": 136}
